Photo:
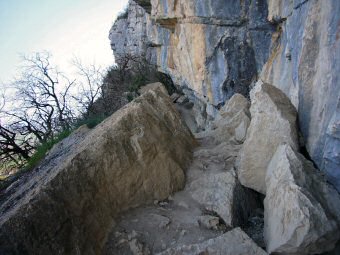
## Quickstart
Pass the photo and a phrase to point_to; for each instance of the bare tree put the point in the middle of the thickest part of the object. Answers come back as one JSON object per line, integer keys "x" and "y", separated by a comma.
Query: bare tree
{"x": 13, "y": 146}
{"x": 40, "y": 108}
{"x": 45, "y": 91}
{"x": 90, "y": 88}
{"x": 45, "y": 103}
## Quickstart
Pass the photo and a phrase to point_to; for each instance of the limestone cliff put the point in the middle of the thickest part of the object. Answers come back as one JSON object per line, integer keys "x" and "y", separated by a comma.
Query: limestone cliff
{"x": 129, "y": 34}
{"x": 209, "y": 47}
{"x": 305, "y": 64}
{"x": 213, "y": 49}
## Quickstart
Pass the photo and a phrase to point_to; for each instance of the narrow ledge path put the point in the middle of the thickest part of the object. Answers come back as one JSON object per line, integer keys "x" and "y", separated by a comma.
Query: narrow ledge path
{"x": 205, "y": 209}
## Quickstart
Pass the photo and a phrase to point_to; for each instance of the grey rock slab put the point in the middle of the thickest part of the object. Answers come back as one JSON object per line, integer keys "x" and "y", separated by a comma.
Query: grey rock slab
{"x": 273, "y": 122}
{"x": 302, "y": 211}
{"x": 234, "y": 242}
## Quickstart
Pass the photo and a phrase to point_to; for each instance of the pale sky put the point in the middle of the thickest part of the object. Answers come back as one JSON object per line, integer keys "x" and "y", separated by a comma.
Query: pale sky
{"x": 66, "y": 28}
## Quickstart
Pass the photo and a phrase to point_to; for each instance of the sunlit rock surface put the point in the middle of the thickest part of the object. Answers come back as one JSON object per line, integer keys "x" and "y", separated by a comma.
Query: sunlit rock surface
{"x": 68, "y": 206}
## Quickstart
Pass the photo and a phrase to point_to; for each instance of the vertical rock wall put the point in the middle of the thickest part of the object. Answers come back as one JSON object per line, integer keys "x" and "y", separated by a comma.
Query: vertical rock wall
{"x": 213, "y": 49}
{"x": 129, "y": 34}
{"x": 305, "y": 64}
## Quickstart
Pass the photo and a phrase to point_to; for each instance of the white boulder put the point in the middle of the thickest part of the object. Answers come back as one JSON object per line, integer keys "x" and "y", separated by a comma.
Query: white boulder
{"x": 273, "y": 121}
{"x": 301, "y": 208}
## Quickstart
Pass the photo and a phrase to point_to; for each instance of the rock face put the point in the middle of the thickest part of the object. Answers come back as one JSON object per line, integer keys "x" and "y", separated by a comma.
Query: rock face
{"x": 305, "y": 64}
{"x": 129, "y": 34}
{"x": 225, "y": 57}
{"x": 302, "y": 211}
{"x": 214, "y": 48}
{"x": 273, "y": 122}
{"x": 137, "y": 155}
{"x": 234, "y": 242}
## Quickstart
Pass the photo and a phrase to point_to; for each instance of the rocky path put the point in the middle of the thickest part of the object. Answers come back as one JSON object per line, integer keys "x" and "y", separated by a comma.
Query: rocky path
{"x": 212, "y": 203}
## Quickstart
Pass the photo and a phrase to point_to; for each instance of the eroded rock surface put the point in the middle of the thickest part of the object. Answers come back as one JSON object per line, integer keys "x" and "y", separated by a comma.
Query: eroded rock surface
{"x": 211, "y": 49}
{"x": 234, "y": 242}
{"x": 304, "y": 63}
{"x": 227, "y": 51}
{"x": 302, "y": 211}
{"x": 128, "y": 34}
{"x": 137, "y": 155}
{"x": 213, "y": 181}
{"x": 274, "y": 121}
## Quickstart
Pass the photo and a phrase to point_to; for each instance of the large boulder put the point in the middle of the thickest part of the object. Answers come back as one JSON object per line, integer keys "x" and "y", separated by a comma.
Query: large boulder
{"x": 234, "y": 242}
{"x": 302, "y": 211}
{"x": 234, "y": 105}
{"x": 234, "y": 121}
{"x": 216, "y": 188}
{"x": 273, "y": 121}
{"x": 136, "y": 156}
{"x": 222, "y": 193}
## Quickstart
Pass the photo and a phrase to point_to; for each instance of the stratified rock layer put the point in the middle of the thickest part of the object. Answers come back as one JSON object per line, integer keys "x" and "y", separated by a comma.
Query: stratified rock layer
{"x": 137, "y": 155}
{"x": 214, "y": 48}
{"x": 302, "y": 211}
{"x": 274, "y": 121}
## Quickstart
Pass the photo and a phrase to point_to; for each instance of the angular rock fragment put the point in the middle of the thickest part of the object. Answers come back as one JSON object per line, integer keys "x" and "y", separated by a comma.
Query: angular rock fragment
{"x": 234, "y": 242}
{"x": 223, "y": 194}
{"x": 302, "y": 211}
{"x": 273, "y": 122}
{"x": 234, "y": 105}
{"x": 234, "y": 121}
{"x": 137, "y": 155}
